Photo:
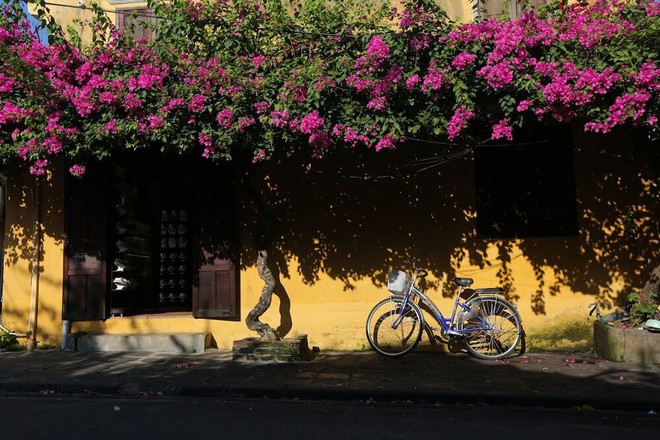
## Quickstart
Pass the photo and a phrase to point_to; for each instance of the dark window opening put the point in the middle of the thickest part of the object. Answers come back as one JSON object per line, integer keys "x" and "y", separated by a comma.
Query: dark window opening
{"x": 527, "y": 189}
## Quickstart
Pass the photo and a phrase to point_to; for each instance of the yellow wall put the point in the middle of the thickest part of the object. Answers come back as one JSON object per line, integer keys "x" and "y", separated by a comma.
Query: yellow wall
{"x": 20, "y": 285}
{"x": 335, "y": 237}
{"x": 459, "y": 10}
{"x": 67, "y": 12}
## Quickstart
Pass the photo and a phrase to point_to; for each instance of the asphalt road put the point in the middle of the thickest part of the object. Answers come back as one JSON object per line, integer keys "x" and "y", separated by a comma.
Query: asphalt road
{"x": 72, "y": 418}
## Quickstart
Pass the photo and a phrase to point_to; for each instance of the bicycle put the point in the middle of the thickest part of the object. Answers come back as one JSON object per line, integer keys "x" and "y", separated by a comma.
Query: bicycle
{"x": 489, "y": 325}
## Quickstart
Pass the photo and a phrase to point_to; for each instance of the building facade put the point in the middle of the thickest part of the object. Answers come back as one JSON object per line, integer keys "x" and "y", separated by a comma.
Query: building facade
{"x": 147, "y": 243}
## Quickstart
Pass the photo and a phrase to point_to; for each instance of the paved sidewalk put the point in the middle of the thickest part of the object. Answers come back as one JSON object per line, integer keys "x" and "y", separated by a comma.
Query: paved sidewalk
{"x": 537, "y": 379}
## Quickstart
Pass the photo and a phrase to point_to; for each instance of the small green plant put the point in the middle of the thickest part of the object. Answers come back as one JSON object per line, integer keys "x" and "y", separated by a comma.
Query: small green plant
{"x": 642, "y": 309}
{"x": 6, "y": 341}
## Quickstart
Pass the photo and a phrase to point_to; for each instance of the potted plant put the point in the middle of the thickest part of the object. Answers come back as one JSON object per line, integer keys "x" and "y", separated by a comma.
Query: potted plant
{"x": 627, "y": 339}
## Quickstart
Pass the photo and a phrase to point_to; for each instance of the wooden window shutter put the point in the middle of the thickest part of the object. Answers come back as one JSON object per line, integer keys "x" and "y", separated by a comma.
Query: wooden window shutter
{"x": 136, "y": 17}
{"x": 215, "y": 290}
{"x": 85, "y": 295}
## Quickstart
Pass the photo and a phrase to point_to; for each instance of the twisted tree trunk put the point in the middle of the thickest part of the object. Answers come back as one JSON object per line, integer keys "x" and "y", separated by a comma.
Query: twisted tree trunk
{"x": 264, "y": 330}
{"x": 652, "y": 286}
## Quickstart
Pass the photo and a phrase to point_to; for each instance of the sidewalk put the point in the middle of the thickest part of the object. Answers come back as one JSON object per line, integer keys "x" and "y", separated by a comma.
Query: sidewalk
{"x": 537, "y": 379}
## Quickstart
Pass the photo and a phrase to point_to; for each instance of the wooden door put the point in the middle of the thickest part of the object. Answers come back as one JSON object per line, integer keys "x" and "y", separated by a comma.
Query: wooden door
{"x": 85, "y": 296}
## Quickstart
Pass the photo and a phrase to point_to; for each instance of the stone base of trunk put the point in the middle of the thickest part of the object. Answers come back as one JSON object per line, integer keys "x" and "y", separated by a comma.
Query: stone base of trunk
{"x": 626, "y": 344}
{"x": 284, "y": 350}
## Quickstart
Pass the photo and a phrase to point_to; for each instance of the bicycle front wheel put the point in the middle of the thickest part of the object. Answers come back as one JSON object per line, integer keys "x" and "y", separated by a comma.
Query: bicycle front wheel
{"x": 491, "y": 327}
{"x": 392, "y": 333}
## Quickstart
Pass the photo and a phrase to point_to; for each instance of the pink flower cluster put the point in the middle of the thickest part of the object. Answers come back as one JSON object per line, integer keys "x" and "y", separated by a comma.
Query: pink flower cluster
{"x": 463, "y": 60}
{"x": 631, "y": 106}
{"x": 116, "y": 93}
{"x": 225, "y": 118}
{"x": 377, "y": 54}
{"x": 498, "y": 75}
{"x": 295, "y": 92}
{"x": 458, "y": 121}
{"x": 206, "y": 141}
{"x": 434, "y": 77}
{"x": 502, "y": 130}
{"x": 77, "y": 170}
{"x": 369, "y": 79}
{"x": 349, "y": 135}
{"x": 412, "y": 15}
{"x": 311, "y": 125}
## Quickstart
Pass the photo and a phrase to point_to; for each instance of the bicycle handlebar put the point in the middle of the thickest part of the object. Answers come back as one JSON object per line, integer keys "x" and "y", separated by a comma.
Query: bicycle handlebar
{"x": 413, "y": 262}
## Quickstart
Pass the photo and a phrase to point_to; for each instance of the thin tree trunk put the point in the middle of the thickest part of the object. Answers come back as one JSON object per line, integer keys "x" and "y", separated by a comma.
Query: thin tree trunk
{"x": 652, "y": 286}
{"x": 264, "y": 330}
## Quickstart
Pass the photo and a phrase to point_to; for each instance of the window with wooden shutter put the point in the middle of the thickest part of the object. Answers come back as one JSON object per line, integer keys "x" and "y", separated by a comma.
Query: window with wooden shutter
{"x": 136, "y": 21}
{"x": 486, "y": 9}
{"x": 215, "y": 289}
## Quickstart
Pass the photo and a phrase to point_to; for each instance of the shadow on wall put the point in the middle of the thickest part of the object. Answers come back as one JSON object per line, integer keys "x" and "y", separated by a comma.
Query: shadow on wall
{"x": 355, "y": 214}
{"x": 20, "y": 215}
{"x": 23, "y": 191}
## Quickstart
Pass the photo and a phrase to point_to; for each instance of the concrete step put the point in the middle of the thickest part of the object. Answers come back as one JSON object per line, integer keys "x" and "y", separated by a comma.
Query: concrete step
{"x": 155, "y": 342}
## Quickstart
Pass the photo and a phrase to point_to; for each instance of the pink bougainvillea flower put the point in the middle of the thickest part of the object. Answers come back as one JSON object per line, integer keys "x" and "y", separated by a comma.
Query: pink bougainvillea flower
{"x": 280, "y": 118}
{"x": 412, "y": 81}
{"x": 258, "y": 156}
{"x": 225, "y": 118}
{"x": 111, "y": 126}
{"x": 196, "y": 104}
{"x": 257, "y": 61}
{"x": 77, "y": 170}
{"x": 38, "y": 168}
{"x": 462, "y": 60}
{"x": 433, "y": 79}
{"x": 244, "y": 122}
{"x": 261, "y": 107}
{"x": 502, "y": 130}
{"x": 386, "y": 142}
{"x": 523, "y": 105}
{"x": 458, "y": 121}
{"x": 311, "y": 122}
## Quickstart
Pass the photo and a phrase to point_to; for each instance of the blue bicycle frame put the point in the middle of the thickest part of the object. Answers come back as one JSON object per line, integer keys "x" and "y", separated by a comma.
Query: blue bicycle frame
{"x": 446, "y": 323}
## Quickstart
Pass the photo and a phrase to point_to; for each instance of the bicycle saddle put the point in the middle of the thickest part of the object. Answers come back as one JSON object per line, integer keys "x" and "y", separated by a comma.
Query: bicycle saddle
{"x": 465, "y": 282}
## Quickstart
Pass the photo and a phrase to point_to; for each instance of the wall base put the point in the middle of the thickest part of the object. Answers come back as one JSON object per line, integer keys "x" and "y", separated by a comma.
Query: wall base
{"x": 153, "y": 342}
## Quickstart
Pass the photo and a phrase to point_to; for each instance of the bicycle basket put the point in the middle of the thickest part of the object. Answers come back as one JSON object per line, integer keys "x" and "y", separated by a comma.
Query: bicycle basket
{"x": 398, "y": 282}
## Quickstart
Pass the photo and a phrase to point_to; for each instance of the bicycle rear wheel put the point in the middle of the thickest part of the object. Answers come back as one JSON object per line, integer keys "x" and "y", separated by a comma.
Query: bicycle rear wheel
{"x": 492, "y": 327}
{"x": 390, "y": 333}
